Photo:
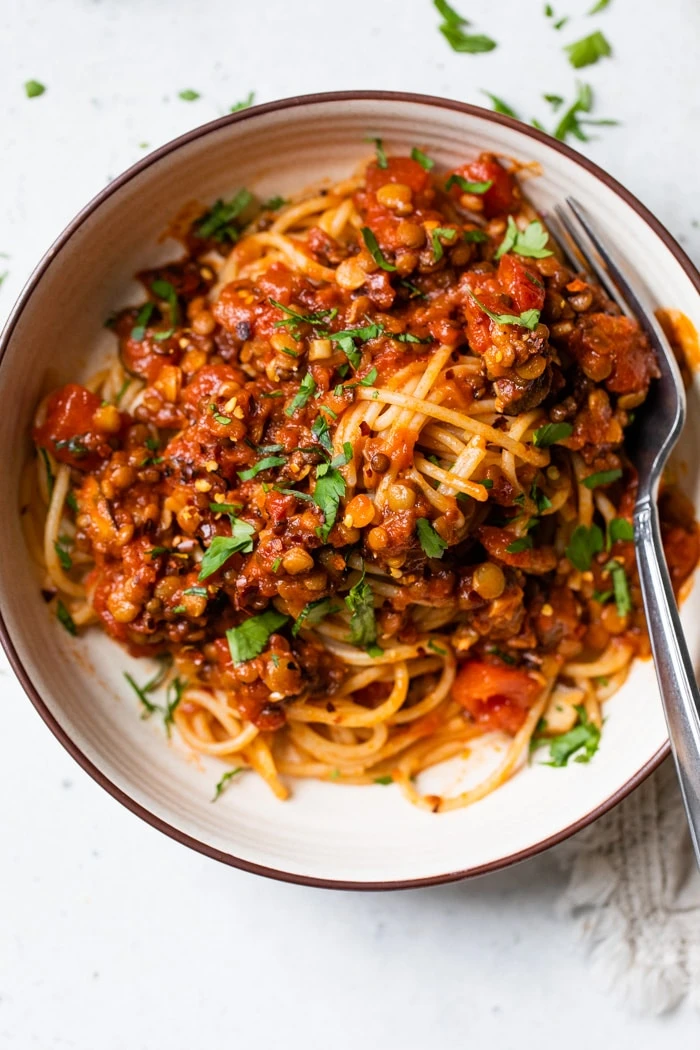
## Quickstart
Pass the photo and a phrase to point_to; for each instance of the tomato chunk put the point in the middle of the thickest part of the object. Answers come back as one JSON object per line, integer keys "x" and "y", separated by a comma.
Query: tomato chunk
{"x": 521, "y": 282}
{"x": 496, "y": 697}
{"x": 69, "y": 430}
{"x": 499, "y": 198}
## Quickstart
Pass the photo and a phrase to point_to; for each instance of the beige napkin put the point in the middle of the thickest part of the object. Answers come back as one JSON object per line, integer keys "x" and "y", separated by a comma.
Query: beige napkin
{"x": 635, "y": 893}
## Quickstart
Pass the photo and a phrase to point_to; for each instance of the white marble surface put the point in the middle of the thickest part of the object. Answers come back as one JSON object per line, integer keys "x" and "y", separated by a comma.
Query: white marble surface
{"x": 111, "y": 935}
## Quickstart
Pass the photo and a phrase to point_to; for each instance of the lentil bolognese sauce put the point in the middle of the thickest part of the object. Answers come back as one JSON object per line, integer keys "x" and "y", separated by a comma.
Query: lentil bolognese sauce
{"x": 358, "y": 477}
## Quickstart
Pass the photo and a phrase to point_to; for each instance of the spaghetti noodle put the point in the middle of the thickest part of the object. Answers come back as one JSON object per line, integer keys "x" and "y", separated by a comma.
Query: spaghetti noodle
{"x": 358, "y": 471}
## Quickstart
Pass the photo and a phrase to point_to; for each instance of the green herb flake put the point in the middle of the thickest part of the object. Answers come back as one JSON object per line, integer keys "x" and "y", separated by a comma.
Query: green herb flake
{"x": 523, "y": 543}
{"x": 165, "y": 291}
{"x": 65, "y": 618}
{"x": 384, "y": 780}
{"x": 555, "y": 101}
{"x": 550, "y": 433}
{"x": 382, "y": 161}
{"x": 307, "y": 389}
{"x": 327, "y": 494}
{"x": 584, "y": 544}
{"x": 423, "y": 159}
{"x": 188, "y": 95}
{"x": 499, "y": 106}
{"x": 72, "y": 501}
{"x": 363, "y": 625}
{"x": 621, "y": 590}
{"x": 466, "y": 186}
{"x": 475, "y": 236}
{"x": 438, "y": 251}
{"x": 219, "y": 223}
{"x": 374, "y": 250}
{"x": 225, "y": 781}
{"x": 530, "y": 242}
{"x": 200, "y": 592}
{"x": 437, "y": 648}
{"x": 431, "y": 541}
{"x": 266, "y": 463}
{"x": 293, "y": 318}
{"x": 466, "y": 43}
{"x": 250, "y": 638}
{"x": 588, "y": 50}
{"x": 223, "y": 420}
{"x": 222, "y": 547}
{"x": 619, "y": 529}
{"x": 580, "y": 743}
{"x": 64, "y": 557}
{"x": 603, "y": 477}
{"x": 314, "y": 612}
{"x": 34, "y": 88}
{"x": 600, "y": 6}
{"x": 245, "y": 103}
{"x": 528, "y": 319}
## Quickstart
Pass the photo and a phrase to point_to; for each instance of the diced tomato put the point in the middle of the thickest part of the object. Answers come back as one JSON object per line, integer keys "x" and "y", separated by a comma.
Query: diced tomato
{"x": 499, "y": 199}
{"x": 521, "y": 282}
{"x": 488, "y": 291}
{"x": 399, "y": 169}
{"x": 207, "y": 382}
{"x": 496, "y": 697}
{"x": 69, "y": 432}
{"x": 145, "y": 357}
{"x": 536, "y": 560}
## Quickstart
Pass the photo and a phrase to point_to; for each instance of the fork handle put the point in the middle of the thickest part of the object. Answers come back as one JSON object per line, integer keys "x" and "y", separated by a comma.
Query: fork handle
{"x": 674, "y": 667}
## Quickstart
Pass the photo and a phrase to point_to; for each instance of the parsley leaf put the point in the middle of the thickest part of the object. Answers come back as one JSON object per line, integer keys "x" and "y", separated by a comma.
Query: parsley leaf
{"x": 449, "y": 14}
{"x": 313, "y": 613}
{"x": 382, "y": 162}
{"x": 603, "y": 477}
{"x": 360, "y": 602}
{"x": 294, "y": 318}
{"x": 307, "y": 389}
{"x": 523, "y": 543}
{"x": 583, "y": 545}
{"x": 263, "y": 464}
{"x": 346, "y": 340}
{"x": 583, "y": 738}
{"x": 188, "y": 95}
{"x": 327, "y": 494}
{"x": 571, "y": 123}
{"x": 142, "y": 319}
{"x": 438, "y": 251}
{"x": 588, "y": 50}
{"x": 219, "y": 222}
{"x": 321, "y": 431}
{"x": 466, "y": 43}
{"x": 475, "y": 236}
{"x": 530, "y": 242}
{"x": 374, "y": 249}
{"x": 384, "y": 780}
{"x": 541, "y": 501}
{"x": 222, "y": 547}
{"x": 529, "y": 319}
{"x": 550, "y": 433}
{"x": 249, "y": 638}
{"x": 431, "y": 541}
{"x": 600, "y": 6}
{"x": 499, "y": 106}
{"x": 65, "y": 618}
{"x": 225, "y": 780}
{"x": 244, "y": 103}
{"x": 64, "y": 557}
{"x": 619, "y": 529}
{"x": 466, "y": 186}
{"x": 34, "y": 88}
{"x": 273, "y": 204}
{"x": 620, "y": 587}
{"x": 423, "y": 159}
{"x": 164, "y": 290}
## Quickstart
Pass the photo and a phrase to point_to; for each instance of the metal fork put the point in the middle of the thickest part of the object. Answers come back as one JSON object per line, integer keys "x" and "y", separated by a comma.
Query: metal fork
{"x": 657, "y": 432}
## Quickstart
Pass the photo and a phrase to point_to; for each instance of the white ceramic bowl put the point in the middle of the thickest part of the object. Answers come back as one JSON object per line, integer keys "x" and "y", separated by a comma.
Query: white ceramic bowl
{"x": 326, "y": 835}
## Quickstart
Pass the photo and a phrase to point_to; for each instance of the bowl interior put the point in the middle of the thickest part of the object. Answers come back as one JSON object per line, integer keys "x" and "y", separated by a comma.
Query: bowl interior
{"x": 327, "y": 832}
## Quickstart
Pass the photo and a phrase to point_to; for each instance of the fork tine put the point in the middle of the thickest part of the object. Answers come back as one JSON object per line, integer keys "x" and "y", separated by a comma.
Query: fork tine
{"x": 564, "y": 241}
{"x": 597, "y": 259}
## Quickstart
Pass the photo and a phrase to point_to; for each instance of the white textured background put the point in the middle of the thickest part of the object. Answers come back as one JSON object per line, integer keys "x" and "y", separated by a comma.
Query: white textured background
{"x": 112, "y": 936}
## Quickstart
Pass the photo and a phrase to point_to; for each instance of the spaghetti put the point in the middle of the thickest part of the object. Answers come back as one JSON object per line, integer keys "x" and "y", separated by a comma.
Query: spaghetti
{"x": 358, "y": 472}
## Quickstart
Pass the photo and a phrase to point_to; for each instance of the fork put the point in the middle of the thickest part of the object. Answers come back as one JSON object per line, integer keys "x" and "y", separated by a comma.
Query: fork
{"x": 657, "y": 432}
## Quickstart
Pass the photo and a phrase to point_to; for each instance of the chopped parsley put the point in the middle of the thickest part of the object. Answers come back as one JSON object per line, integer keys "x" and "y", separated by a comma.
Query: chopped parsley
{"x": 437, "y": 648}
{"x": 530, "y": 242}
{"x": 374, "y": 250}
{"x": 188, "y": 95}
{"x": 164, "y": 290}
{"x": 528, "y": 319}
{"x": 523, "y": 543}
{"x": 225, "y": 781}
{"x": 600, "y": 6}
{"x": 347, "y": 338}
{"x": 621, "y": 589}
{"x": 619, "y": 529}
{"x": 64, "y": 557}
{"x": 200, "y": 592}
{"x": 431, "y": 541}
{"x": 382, "y": 161}
{"x": 223, "y": 420}
{"x": 580, "y": 743}
{"x": 327, "y": 494}
{"x": 538, "y": 497}
{"x": 475, "y": 236}
{"x": 314, "y": 612}
{"x": 555, "y": 101}
{"x": 34, "y": 88}
{"x": 588, "y": 50}
{"x": 226, "y": 508}
{"x": 452, "y": 28}
{"x": 172, "y": 697}
{"x": 307, "y": 389}
{"x": 266, "y": 463}
{"x": 360, "y": 602}
{"x": 72, "y": 501}
{"x": 499, "y": 106}
{"x": 422, "y": 158}
{"x": 603, "y": 477}
{"x": 222, "y": 547}
{"x": 584, "y": 544}
{"x": 293, "y": 318}
{"x": 571, "y": 122}
{"x": 65, "y": 618}
{"x": 250, "y": 638}
{"x": 219, "y": 223}
{"x": 384, "y": 780}
{"x": 142, "y": 319}
{"x": 321, "y": 431}
{"x": 550, "y": 433}
{"x": 273, "y": 204}
{"x": 466, "y": 186}
{"x": 244, "y": 103}
{"x": 438, "y": 252}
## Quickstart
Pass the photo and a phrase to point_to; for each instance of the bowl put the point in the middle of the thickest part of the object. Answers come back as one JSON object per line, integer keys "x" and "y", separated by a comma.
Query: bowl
{"x": 327, "y": 835}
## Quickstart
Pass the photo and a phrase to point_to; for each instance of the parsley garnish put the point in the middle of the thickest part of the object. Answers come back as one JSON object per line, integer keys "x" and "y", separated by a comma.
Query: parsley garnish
{"x": 603, "y": 477}
{"x": 294, "y": 318}
{"x": 432, "y": 543}
{"x": 475, "y": 236}
{"x": 249, "y": 638}
{"x": 244, "y": 103}
{"x": 164, "y": 290}
{"x": 201, "y": 592}
{"x": 437, "y": 648}
{"x": 327, "y": 494}
{"x": 346, "y": 340}
{"x": 64, "y": 557}
{"x": 225, "y": 780}
{"x": 222, "y": 547}
{"x": 588, "y": 50}
{"x": 382, "y": 162}
{"x": 619, "y": 529}
{"x": 188, "y": 95}
{"x": 307, "y": 389}
{"x": 438, "y": 251}
{"x": 384, "y": 780}
{"x": 33, "y": 88}
{"x": 600, "y": 6}
{"x": 530, "y": 242}
{"x": 541, "y": 501}
{"x": 585, "y": 735}
{"x": 620, "y": 587}
{"x": 571, "y": 123}
{"x": 74, "y": 445}
{"x": 583, "y": 545}
{"x": 360, "y": 602}
{"x": 72, "y": 501}
{"x": 65, "y": 618}
{"x": 226, "y": 508}
{"x": 499, "y": 106}
{"x": 313, "y": 613}
{"x": 451, "y": 29}
{"x": 529, "y": 319}
{"x": 263, "y": 464}
{"x": 273, "y": 204}
{"x": 466, "y": 186}
{"x": 321, "y": 431}
{"x": 223, "y": 420}
{"x": 219, "y": 222}
{"x": 421, "y": 158}
{"x": 555, "y": 101}
{"x": 523, "y": 543}
{"x": 374, "y": 249}
{"x": 550, "y": 433}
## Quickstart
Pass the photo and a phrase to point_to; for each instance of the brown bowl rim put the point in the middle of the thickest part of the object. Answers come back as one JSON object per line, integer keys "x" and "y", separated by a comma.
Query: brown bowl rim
{"x": 22, "y": 674}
